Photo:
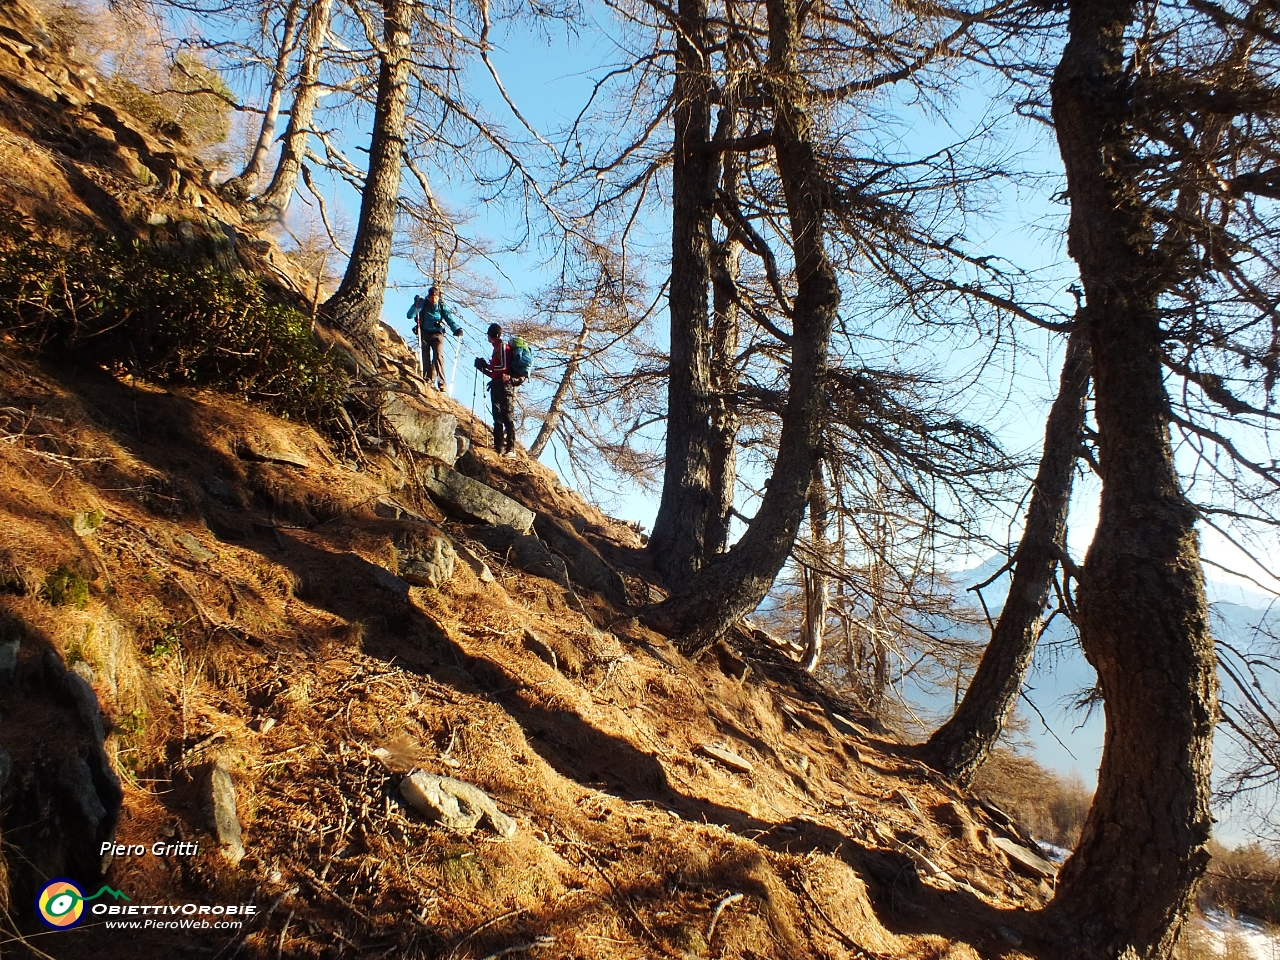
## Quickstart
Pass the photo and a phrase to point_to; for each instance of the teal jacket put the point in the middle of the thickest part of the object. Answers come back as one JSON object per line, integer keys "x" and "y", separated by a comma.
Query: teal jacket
{"x": 432, "y": 319}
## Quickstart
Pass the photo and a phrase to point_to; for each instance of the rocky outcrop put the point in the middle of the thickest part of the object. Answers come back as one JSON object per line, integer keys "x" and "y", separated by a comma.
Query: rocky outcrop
{"x": 427, "y": 561}
{"x": 474, "y": 500}
{"x": 425, "y": 431}
{"x": 523, "y": 551}
{"x": 59, "y": 795}
{"x": 586, "y": 567}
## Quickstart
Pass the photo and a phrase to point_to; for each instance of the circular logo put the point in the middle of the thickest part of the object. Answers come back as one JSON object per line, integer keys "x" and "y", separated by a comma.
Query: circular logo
{"x": 61, "y": 904}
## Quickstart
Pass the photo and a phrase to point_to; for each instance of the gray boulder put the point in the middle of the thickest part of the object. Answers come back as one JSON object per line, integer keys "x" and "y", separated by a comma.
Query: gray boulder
{"x": 474, "y": 500}
{"x": 427, "y": 431}
{"x": 454, "y": 803}
{"x": 428, "y": 563}
{"x": 223, "y": 814}
{"x": 586, "y": 567}
{"x": 524, "y": 552}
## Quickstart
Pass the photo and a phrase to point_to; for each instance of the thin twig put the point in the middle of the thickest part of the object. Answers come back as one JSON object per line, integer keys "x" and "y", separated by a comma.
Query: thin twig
{"x": 543, "y": 941}
{"x": 715, "y": 914}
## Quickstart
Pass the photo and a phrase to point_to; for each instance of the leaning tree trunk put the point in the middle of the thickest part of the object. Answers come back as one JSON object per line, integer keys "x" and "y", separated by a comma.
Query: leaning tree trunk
{"x": 817, "y": 595}
{"x": 961, "y": 745}
{"x": 357, "y": 305}
{"x": 702, "y": 608}
{"x": 272, "y": 202}
{"x": 678, "y": 543}
{"x": 556, "y": 408}
{"x": 1144, "y": 624}
{"x": 237, "y": 188}
{"x": 726, "y": 257}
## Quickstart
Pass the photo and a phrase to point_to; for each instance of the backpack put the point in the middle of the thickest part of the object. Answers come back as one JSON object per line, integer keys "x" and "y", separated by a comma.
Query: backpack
{"x": 521, "y": 359}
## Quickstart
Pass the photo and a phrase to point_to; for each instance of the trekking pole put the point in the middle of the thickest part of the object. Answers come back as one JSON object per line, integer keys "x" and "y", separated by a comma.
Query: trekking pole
{"x": 475, "y": 388}
{"x": 453, "y": 374}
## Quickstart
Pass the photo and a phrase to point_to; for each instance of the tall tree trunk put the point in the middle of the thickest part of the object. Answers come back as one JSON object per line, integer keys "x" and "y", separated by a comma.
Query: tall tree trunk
{"x": 1144, "y": 624}
{"x": 357, "y": 305}
{"x": 816, "y": 583}
{"x": 552, "y": 419}
{"x": 272, "y": 202}
{"x": 961, "y": 745}
{"x": 726, "y": 256}
{"x": 678, "y": 543}
{"x": 238, "y": 188}
{"x": 733, "y": 584}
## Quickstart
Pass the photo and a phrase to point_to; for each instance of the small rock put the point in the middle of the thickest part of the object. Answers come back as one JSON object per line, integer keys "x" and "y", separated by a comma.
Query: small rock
{"x": 85, "y": 522}
{"x": 1020, "y": 856}
{"x": 157, "y": 220}
{"x": 85, "y": 700}
{"x": 193, "y": 547}
{"x": 76, "y": 779}
{"x": 998, "y": 815}
{"x": 454, "y": 803}
{"x": 221, "y": 493}
{"x": 9, "y": 659}
{"x": 1010, "y": 936}
{"x": 83, "y": 671}
{"x": 727, "y": 757}
{"x": 430, "y": 564}
{"x": 388, "y": 581}
{"x": 541, "y": 649}
{"x": 226, "y": 822}
{"x": 525, "y": 552}
{"x": 472, "y": 559}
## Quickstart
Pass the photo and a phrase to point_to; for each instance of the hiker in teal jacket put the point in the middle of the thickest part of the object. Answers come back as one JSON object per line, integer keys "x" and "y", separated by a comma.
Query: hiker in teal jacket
{"x": 431, "y": 315}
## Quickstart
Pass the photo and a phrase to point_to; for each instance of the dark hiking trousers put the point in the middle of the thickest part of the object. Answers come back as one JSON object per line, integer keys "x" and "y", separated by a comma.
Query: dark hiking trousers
{"x": 502, "y": 395}
{"x": 433, "y": 359}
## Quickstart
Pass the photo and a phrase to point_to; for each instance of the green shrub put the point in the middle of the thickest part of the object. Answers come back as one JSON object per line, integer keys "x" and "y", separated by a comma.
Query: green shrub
{"x": 133, "y": 307}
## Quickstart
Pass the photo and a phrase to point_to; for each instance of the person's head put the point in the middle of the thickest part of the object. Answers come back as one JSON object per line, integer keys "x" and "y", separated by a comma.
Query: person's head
{"x": 495, "y": 333}
{"x": 433, "y": 294}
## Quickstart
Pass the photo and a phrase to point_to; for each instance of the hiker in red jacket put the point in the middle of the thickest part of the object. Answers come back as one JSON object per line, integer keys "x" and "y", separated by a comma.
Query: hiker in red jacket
{"x": 501, "y": 391}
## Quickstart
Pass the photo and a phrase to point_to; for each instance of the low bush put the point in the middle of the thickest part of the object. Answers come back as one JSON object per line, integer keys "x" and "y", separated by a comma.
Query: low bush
{"x": 132, "y": 307}
{"x": 1244, "y": 881}
{"x": 1046, "y": 805}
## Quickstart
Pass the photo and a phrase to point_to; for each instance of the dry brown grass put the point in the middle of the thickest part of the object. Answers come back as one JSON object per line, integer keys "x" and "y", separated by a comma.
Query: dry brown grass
{"x": 282, "y": 658}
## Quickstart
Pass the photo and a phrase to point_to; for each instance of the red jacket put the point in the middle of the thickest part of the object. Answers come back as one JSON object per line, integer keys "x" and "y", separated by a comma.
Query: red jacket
{"x": 497, "y": 368}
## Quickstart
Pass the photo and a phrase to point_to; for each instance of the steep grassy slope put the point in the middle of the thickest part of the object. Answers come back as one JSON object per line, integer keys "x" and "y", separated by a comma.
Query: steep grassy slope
{"x": 189, "y": 585}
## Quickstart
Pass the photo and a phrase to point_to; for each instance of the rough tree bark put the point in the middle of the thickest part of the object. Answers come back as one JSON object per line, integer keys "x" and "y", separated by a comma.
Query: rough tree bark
{"x": 726, "y": 256}
{"x": 272, "y": 202}
{"x": 678, "y": 543}
{"x": 1144, "y": 622}
{"x": 237, "y": 188}
{"x": 724, "y": 384}
{"x": 704, "y": 606}
{"x": 960, "y": 746}
{"x": 357, "y": 304}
